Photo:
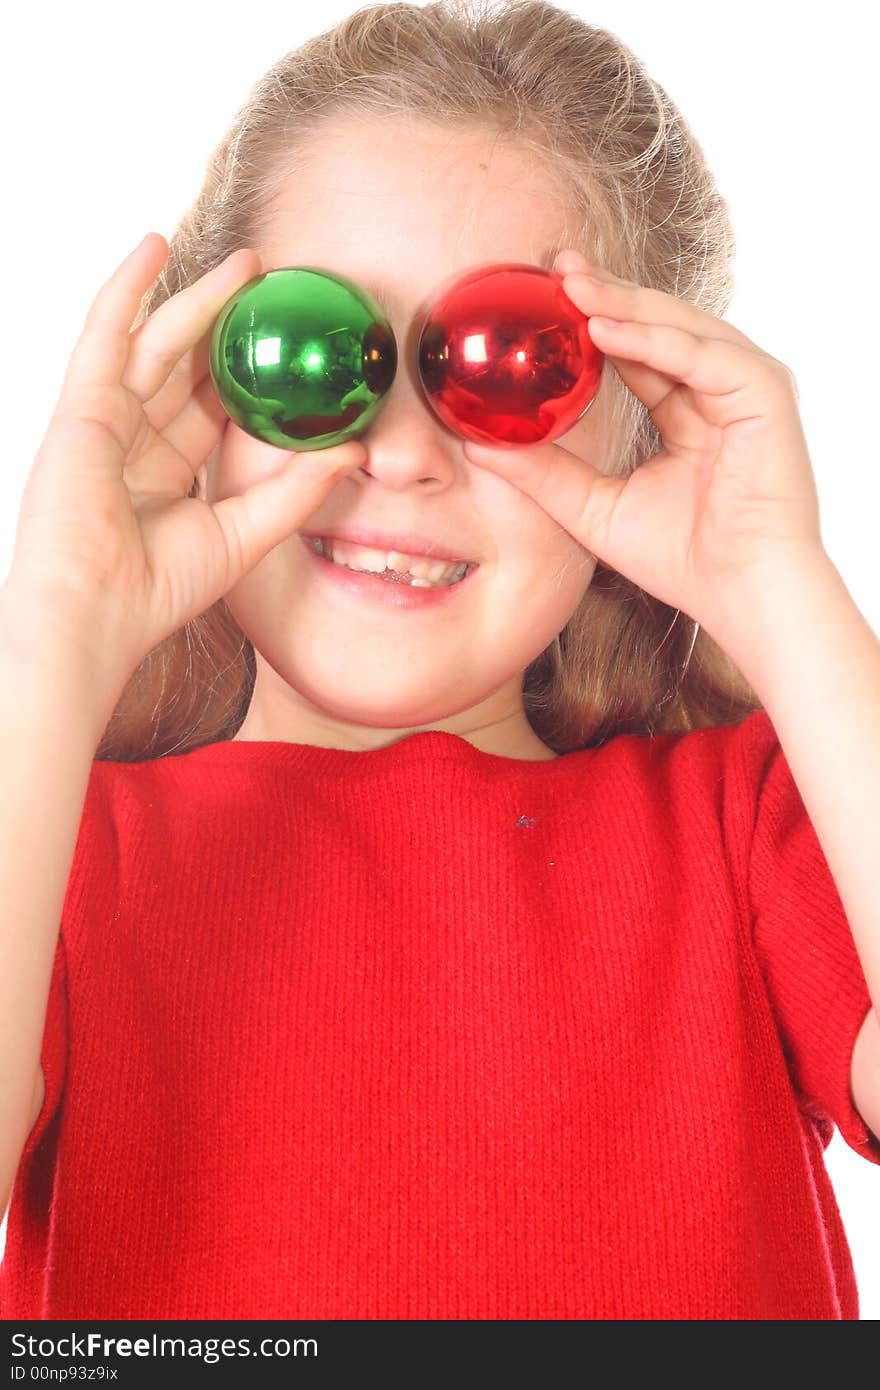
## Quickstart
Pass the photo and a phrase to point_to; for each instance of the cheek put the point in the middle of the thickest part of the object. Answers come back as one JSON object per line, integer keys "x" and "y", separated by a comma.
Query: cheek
{"x": 542, "y": 571}
{"x": 568, "y": 570}
{"x": 538, "y": 597}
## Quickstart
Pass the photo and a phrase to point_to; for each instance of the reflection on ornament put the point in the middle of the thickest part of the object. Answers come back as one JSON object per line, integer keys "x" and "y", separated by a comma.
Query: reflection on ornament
{"x": 302, "y": 358}
{"x": 505, "y": 358}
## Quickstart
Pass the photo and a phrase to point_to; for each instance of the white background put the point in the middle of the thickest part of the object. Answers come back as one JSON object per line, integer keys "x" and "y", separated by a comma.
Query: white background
{"x": 110, "y": 112}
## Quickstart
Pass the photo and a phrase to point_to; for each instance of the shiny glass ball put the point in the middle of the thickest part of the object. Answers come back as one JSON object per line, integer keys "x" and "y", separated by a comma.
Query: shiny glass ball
{"x": 506, "y": 358}
{"x": 302, "y": 358}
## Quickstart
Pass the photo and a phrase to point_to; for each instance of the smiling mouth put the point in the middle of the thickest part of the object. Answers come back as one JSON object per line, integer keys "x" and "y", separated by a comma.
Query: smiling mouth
{"x": 392, "y": 566}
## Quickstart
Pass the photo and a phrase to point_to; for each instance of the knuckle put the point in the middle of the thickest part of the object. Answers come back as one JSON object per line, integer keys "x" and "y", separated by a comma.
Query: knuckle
{"x": 785, "y": 375}
{"x": 96, "y": 407}
{"x": 83, "y": 399}
{"x": 85, "y": 402}
{"x": 155, "y": 354}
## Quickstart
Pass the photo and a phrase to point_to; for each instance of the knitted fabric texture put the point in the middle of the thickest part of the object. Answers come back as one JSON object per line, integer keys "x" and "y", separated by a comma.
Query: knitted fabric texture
{"x": 424, "y": 1032}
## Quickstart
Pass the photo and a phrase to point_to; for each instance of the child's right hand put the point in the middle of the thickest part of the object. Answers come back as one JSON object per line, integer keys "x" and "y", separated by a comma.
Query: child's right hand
{"x": 110, "y": 552}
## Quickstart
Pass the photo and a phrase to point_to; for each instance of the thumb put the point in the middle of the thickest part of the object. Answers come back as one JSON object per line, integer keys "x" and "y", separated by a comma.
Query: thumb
{"x": 576, "y": 494}
{"x": 272, "y": 509}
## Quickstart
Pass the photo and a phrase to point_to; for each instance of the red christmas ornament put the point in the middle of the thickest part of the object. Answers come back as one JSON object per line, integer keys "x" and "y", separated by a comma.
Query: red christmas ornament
{"x": 505, "y": 358}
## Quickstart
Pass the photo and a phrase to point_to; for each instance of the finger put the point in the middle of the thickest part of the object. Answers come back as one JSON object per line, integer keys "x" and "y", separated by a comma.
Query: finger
{"x": 199, "y": 427}
{"x": 569, "y": 261}
{"x": 184, "y": 379}
{"x": 598, "y": 292}
{"x": 274, "y": 508}
{"x": 577, "y": 495}
{"x": 101, "y": 351}
{"x": 188, "y": 440}
{"x": 643, "y": 381}
{"x": 735, "y": 382}
{"x": 618, "y": 298}
{"x": 163, "y": 344}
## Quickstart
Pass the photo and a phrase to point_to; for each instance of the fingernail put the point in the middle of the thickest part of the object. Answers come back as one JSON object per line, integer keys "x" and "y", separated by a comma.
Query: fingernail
{"x": 579, "y": 276}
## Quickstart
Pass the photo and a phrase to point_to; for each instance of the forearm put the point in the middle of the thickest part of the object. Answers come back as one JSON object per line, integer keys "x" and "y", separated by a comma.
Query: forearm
{"x": 814, "y": 662}
{"x": 51, "y": 722}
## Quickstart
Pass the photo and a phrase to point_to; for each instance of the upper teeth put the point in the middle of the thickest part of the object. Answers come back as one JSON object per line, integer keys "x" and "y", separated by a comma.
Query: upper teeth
{"x": 361, "y": 557}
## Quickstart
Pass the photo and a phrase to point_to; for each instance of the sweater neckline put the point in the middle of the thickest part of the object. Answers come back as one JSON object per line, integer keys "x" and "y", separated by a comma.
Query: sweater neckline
{"x": 427, "y": 746}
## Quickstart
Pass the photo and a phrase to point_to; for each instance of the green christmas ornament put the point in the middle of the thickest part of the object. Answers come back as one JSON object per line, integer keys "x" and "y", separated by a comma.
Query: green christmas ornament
{"x": 302, "y": 358}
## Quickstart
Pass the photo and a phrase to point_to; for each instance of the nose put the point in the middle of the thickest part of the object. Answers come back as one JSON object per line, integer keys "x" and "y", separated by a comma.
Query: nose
{"x": 407, "y": 442}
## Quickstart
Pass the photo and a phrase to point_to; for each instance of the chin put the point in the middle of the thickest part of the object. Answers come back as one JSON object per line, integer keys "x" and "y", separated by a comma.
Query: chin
{"x": 385, "y": 708}
{"x": 389, "y": 716}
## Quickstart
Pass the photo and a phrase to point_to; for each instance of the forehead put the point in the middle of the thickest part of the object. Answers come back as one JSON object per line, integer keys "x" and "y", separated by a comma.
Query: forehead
{"x": 400, "y": 206}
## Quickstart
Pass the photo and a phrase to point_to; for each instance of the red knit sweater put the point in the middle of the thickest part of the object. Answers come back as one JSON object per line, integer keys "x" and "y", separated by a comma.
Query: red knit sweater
{"x": 424, "y": 1032}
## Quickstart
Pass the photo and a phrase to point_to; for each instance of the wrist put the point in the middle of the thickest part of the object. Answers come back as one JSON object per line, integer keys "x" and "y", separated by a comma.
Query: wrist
{"x": 45, "y": 646}
{"x": 760, "y": 595}
{"x": 769, "y": 610}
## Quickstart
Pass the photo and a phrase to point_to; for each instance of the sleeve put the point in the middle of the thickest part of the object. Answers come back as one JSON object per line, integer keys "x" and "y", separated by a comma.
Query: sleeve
{"x": 804, "y": 945}
{"x": 94, "y": 861}
{"x": 53, "y": 1053}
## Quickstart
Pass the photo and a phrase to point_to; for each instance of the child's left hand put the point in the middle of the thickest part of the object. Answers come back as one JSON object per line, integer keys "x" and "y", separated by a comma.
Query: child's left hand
{"x": 731, "y": 492}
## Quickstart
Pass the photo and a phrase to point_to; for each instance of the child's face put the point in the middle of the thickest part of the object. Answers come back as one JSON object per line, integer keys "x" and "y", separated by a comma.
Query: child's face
{"x": 408, "y": 207}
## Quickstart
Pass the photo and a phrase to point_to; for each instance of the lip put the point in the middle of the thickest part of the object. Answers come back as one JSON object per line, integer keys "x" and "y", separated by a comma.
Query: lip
{"x": 378, "y": 540}
{"x": 370, "y": 586}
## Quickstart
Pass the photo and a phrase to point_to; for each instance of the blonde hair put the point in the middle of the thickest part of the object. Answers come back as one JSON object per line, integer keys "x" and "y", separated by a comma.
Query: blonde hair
{"x": 646, "y": 205}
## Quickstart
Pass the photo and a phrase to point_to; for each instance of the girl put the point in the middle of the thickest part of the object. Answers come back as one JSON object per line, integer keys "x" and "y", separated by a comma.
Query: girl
{"x": 334, "y": 999}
